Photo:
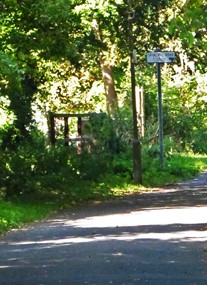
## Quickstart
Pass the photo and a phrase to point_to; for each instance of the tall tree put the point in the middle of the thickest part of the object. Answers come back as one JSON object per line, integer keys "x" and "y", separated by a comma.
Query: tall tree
{"x": 103, "y": 19}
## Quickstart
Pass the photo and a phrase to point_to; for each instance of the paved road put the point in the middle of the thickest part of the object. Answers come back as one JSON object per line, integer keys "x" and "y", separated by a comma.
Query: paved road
{"x": 156, "y": 238}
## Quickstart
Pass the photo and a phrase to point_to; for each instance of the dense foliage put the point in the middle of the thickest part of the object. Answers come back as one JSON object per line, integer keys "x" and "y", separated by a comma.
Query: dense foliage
{"x": 68, "y": 56}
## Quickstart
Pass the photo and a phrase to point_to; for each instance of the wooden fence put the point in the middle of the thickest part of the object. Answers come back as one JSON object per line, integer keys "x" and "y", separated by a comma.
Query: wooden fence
{"x": 60, "y": 128}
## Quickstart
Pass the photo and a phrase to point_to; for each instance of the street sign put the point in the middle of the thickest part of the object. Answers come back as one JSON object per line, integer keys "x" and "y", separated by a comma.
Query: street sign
{"x": 161, "y": 57}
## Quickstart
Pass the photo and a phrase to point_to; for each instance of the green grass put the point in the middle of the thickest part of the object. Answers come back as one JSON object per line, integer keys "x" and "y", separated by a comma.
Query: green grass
{"x": 31, "y": 207}
{"x": 176, "y": 168}
{"x": 14, "y": 214}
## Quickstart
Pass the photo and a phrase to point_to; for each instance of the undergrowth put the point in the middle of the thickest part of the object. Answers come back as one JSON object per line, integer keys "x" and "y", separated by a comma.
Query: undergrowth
{"x": 31, "y": 206}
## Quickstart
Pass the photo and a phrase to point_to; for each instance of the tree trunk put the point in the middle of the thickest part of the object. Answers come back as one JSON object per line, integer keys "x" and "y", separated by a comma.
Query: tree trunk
{"x": 111, "y": 96}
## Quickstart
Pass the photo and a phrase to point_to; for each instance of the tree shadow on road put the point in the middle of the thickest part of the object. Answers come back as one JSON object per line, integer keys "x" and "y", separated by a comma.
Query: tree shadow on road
{"x": 156, "y": 238}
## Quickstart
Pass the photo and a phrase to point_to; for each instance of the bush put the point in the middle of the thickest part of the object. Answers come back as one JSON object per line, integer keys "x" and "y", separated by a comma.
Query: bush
{"x": 182, "y": 166}
{"x": 34, "y": 166}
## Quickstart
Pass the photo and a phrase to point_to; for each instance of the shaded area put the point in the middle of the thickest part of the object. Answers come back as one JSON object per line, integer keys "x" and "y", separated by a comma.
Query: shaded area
{"x": 154, "y": 238}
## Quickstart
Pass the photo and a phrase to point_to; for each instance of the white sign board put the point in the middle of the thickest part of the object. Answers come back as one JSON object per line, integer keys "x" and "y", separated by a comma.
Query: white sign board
{"x": 161, "y": 57}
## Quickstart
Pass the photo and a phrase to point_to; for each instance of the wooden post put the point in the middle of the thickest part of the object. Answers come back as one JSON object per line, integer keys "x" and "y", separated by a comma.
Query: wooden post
{"x": 52, "y": 128}
{"x": 66, "y": 130}
{"x": 79, "y": 144}
{"x": 79, "y": 126}
{"x": 137, "y": 167}
{"x": 140, "y": 109}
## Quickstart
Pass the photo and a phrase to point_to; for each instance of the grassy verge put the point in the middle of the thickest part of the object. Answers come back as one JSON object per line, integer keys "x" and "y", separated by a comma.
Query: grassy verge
{"x": 16, "y": 212}
{"x": 177, "y": 168}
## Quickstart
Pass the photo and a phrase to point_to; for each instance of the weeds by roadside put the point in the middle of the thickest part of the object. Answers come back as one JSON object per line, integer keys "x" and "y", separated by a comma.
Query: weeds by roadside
{"x": 29, "y": 207}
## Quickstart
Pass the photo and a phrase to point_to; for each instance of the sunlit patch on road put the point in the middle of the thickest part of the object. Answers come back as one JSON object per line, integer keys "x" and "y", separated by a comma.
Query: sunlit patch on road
{"x": 187, "y": 224}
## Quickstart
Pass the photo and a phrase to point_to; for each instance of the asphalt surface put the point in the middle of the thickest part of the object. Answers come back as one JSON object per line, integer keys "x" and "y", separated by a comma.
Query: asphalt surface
{"x": 157, "y": 238}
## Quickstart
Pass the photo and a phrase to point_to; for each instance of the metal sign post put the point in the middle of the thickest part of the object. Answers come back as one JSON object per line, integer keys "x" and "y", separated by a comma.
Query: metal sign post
{"x": 159, "y": 57}
{"x": 160, "y": 115}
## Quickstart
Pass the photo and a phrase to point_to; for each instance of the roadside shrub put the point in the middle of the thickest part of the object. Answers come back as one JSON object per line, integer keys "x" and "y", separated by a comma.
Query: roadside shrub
{"x": 35, "y": 166}
{"x": 198, "y": 142}
{"x": 181, "y": 166}
{"x": 112, "y": 135}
